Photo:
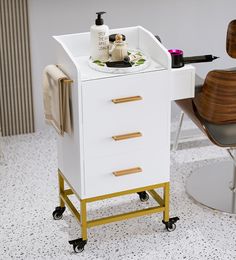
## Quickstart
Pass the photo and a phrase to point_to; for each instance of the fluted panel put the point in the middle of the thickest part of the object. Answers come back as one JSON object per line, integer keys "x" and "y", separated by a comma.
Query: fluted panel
{"x": 16, "y": 104}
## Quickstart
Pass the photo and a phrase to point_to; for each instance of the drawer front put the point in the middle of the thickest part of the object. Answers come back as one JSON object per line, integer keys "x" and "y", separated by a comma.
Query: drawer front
{"x": 118, "y": 173}
{"x": 126, "y": 114}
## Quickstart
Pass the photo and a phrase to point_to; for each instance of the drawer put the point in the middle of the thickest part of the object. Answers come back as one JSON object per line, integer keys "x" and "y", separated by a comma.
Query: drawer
{"x": 149, "y": 169}
{"x": 147, "y": 113}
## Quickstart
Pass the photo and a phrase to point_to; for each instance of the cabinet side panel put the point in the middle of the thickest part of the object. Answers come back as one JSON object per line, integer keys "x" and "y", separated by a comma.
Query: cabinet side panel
{"x": 182, "y": 82}
{"x": 149, "y": 44}
{"x": 70, "y": 146}
{"x": 76, "y": 44}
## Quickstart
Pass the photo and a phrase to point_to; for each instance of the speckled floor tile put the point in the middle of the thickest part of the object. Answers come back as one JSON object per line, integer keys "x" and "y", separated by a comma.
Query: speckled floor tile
{"x": 28, "y": 195}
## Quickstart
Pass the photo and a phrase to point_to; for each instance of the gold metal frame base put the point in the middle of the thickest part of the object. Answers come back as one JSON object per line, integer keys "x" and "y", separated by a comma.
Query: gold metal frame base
{"x": 163, "y": 204}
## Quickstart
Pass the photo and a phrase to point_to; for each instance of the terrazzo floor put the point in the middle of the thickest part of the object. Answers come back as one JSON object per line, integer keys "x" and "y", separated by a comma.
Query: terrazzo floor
{"x": 28, "y": 195}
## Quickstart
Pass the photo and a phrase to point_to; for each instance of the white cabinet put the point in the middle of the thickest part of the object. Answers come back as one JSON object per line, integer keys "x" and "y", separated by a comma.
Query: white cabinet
{"x": 110, "y": 135}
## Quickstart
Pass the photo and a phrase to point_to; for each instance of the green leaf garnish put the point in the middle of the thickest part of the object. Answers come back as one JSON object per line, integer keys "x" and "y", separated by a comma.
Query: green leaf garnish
{"x": 128, "y": 52}
{"x": 140, "y": 63}
{"x": 97, "y": 61}
{"x": 141, "y": 60}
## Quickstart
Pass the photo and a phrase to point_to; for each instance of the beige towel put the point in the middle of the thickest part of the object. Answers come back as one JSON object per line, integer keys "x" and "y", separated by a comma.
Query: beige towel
{"x": 56, "y": 97}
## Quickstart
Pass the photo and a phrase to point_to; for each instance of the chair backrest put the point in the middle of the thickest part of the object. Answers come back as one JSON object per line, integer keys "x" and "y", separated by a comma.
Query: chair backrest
{"x": 216, "y": 103}
{"x": 231, "y": 39}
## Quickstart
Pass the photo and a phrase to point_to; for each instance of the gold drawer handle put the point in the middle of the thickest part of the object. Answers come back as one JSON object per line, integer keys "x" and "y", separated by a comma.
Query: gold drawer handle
{"x": 126, "y": 99}
{"x": 126, "y": 136}
{"x": 127, "y": 171}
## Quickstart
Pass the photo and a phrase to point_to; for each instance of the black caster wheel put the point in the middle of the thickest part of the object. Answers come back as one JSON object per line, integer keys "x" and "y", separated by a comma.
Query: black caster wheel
{"x": 78, "y": 245}
{"x": 170, "y": 225}
{"x": 58, "y": 212}
{"x": 143, "y": 196}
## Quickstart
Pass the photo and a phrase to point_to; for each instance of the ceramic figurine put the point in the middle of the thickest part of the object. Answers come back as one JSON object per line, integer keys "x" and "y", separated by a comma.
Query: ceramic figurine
{"x": 119, "y": 49}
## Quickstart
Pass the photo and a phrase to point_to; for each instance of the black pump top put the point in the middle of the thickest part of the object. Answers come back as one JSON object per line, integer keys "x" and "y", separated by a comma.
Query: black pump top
{"x": 99, "y": 20}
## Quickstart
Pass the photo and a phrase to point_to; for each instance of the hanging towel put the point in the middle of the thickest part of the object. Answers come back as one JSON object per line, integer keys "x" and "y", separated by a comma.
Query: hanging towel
{"x": 56, "y": 97}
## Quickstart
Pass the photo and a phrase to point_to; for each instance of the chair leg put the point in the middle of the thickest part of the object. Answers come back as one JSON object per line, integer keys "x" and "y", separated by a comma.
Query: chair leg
{"x": 176, "y": 142}
{"x": 233, "y": 184}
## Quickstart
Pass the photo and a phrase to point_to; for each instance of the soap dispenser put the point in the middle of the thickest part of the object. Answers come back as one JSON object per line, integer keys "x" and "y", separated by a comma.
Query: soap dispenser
{"x": 99, "y": 39}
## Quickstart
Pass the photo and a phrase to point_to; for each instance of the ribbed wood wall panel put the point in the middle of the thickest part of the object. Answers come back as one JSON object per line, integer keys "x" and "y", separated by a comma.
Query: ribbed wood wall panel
{"x": 16, "y": 104}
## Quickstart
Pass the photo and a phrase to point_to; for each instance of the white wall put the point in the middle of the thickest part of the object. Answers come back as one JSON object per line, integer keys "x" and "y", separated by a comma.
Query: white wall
{"x": 197, "y": 27}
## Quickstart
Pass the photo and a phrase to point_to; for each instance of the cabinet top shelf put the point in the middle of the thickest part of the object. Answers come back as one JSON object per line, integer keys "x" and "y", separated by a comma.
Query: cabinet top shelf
{"x": 76, "y": 47}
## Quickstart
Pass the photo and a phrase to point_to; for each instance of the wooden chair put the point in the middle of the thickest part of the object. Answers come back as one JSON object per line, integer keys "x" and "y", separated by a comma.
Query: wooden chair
{"x": 213, "y": 110}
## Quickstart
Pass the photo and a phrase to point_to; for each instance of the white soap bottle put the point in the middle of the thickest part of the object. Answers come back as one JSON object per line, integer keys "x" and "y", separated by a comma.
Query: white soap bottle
{"x": 99, "y": 39}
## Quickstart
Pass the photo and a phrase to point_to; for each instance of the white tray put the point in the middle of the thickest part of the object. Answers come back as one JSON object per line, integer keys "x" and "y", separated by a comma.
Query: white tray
{"x": 142, "y": 63}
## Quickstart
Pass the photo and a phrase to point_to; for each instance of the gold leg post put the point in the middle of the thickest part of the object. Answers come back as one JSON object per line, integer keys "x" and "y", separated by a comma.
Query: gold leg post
{"x": 83, "y": 216}
{"x": 166, "y": 202}
{"x": 61, "y": 188}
